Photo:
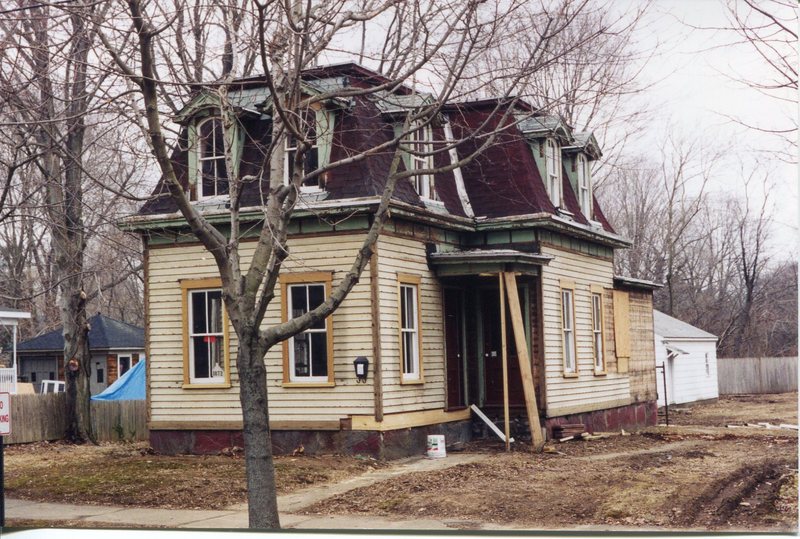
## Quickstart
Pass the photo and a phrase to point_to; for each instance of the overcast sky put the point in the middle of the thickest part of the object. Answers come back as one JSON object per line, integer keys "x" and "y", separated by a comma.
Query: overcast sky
{"x": 693, "y": 91}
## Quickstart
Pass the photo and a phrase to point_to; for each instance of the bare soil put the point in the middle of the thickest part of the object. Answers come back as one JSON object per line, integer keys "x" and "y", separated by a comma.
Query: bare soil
{"x": 698, "y": 475}
{"x": 131, "y": 475}
{"x": 706, "y": 478}
{"x": 738, "y": 410}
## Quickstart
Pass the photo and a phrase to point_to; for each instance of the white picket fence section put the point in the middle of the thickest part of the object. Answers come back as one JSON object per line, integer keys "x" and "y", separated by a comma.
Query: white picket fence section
{"x": 8, "y": 381}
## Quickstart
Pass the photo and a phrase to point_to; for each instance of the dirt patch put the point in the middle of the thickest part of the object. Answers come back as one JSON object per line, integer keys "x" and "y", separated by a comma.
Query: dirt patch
{"x": 738, "y": 410}
{"x": 639, "y": 481}
{"x": 130, "y": 475}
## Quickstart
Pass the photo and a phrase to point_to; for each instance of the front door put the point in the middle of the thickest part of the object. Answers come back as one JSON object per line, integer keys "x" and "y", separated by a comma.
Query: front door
{"x": 492, "y": 352}
{"x": 454, "y": 347}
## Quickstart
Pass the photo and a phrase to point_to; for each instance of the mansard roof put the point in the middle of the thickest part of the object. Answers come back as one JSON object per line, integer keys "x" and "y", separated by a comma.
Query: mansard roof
{"x": 502, "y": 181}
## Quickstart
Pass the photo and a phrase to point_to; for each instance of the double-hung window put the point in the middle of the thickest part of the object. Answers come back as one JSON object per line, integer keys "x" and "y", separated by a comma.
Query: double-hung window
{"x": 123, "y": 364}
{"x": 308, "y": 355}
{"x": 568, "y": 331}
{"x": 211, "y": 159}
{"x": 410, "y": 335}
{"x": 584, "y": 185}
{"x": 552, "y": 156}
{"x": 310, "y": 159}
{"x": 419, "y": 158}
{"x": 597, "y": 333}
{"x": 206, "y": 359}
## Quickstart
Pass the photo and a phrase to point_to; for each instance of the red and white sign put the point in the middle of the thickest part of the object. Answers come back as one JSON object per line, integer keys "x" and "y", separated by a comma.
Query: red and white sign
{"x": 5, "y": 414}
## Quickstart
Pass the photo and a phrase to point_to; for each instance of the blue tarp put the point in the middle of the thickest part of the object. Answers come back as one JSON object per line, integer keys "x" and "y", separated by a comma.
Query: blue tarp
{"x": 130, "y": 386}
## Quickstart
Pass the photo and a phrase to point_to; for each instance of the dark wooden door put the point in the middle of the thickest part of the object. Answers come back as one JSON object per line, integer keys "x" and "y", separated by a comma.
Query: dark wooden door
{"x": 454, "y": 346}
{"x": 492, "y": 353}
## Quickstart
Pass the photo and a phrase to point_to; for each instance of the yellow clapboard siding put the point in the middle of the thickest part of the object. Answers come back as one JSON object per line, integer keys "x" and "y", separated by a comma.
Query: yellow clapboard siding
{"x": 586, "y": 390}
{"x": 351, "y": 337}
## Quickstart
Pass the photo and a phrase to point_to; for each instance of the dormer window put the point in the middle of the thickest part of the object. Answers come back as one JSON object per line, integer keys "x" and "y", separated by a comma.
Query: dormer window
{"x": 419, "y": 158}
{"x": 213, "y": 170}
{"x": 584, "y": 185}
{"x": 553, "y": 171}
{"x": 311, "y": 157}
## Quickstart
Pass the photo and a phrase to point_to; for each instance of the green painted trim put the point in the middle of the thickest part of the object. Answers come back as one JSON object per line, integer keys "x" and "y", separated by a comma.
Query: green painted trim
{"x": 359, "y": 222}
{"x": 192, "y": 150}
{"x": 522, "y": 236}
{"x": 535, "y": 146}
{"x": 569, "y": 162}
{"x": 499, "y": 237}
{"x": 476, "y": 268}
{"x": 325, "y": 125}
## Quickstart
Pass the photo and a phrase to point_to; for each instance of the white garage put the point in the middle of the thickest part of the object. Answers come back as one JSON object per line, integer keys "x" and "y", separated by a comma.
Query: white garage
{"x": 689, "y": 357}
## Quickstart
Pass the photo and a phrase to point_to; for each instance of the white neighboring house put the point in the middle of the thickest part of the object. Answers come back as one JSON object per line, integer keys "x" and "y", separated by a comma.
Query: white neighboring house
{"x": 689, "y": 356}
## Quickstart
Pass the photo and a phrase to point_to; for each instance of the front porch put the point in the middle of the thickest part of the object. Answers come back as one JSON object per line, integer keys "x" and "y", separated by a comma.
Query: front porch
{"x": 493, "y": 334}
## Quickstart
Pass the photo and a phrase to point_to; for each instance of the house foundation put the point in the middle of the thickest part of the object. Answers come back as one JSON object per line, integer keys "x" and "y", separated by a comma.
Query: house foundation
{"x": 391, "y": 444}
{"x": 387, "y": 445}
{"x": 632, "y": 417}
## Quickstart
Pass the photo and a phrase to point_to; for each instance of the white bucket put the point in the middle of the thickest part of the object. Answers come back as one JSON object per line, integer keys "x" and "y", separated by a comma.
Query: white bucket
{"x": 436, "y": 448}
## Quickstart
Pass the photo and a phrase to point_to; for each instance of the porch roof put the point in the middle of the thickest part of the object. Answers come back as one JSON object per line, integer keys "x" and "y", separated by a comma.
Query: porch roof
{"x": 483, "y": 261}
{"x": 9, "y": 317}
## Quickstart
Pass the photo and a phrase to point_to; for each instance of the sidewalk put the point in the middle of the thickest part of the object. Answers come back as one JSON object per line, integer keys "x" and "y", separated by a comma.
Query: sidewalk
{"x": 236, "y": 516}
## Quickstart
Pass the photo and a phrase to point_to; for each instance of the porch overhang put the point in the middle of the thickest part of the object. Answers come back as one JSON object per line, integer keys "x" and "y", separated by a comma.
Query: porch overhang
{"x": 486, "y": 261}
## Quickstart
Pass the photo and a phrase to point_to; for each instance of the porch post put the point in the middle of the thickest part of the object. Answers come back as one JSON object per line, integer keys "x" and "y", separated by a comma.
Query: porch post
{"x": 523, "y": 357}
{"x": 504, "y": 354}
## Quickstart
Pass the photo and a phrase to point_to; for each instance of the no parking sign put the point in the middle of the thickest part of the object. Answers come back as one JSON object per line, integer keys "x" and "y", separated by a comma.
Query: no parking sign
{"x": 5, "y": 414}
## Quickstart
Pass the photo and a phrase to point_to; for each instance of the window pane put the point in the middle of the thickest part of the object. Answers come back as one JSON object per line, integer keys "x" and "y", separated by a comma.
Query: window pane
{"x": 302, "y": 363}
{"x": 408, "y": 307}
{"x": 209, "y": 171}
{"x": 198, "y": 300}
{"x": 595, "y": 312}
{"x": 319, "y": 354}
{"x": 215, "y": 311}
{"x": 219, "y": 139}
{"x": 570, "y": 351}
{"x": 598, "y": 347}
{"x": 201, "y": 357}
{"x": 215, "y": 355}
{"x": 566, "y": 309}
{"x": 299, "y": 300}
{"x": 311, "y": 164}
{"x": 207, "y": 130}
{"x": 124, "y": 365}
{"x": 409, "y": 357}
{"x": 316, "y": 296}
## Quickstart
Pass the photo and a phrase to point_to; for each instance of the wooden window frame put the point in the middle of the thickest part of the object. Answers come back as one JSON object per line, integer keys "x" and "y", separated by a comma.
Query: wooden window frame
{"x": 306, "y": 278}
{"x": 200, "y": 159}
{"x": 193, "y": 285}
{"x": 598, "y": 293}
{"x": 289, "y": 149}
{"x": 410, "y": 280}
{"x": 552, "y": 171}
{"x": 568, "y": 287}
{"x": 420, "y": 140}
{"x": 584, "y": 185}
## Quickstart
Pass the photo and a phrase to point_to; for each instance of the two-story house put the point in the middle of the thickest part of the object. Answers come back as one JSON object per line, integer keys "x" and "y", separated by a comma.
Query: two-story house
{"x": 426, "y": 314}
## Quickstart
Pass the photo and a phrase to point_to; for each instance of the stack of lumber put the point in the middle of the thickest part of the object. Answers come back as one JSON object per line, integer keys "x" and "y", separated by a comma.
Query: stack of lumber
{"x": 568, "y": 431}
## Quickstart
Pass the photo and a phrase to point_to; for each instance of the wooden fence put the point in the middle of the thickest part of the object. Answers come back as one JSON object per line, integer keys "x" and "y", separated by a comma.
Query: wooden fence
{"x": 38, "y": 417}
{"x": 747, "y": 375}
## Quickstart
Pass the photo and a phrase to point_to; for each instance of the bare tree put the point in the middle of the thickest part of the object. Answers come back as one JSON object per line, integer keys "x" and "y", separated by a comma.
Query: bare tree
{"x": 59, "y": 171}
{"x": 769, "y": 28}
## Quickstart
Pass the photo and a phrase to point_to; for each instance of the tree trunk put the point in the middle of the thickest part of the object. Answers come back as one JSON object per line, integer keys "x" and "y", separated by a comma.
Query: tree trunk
{"x": 259, "y": 469}
{"x": 77, "y": 358}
